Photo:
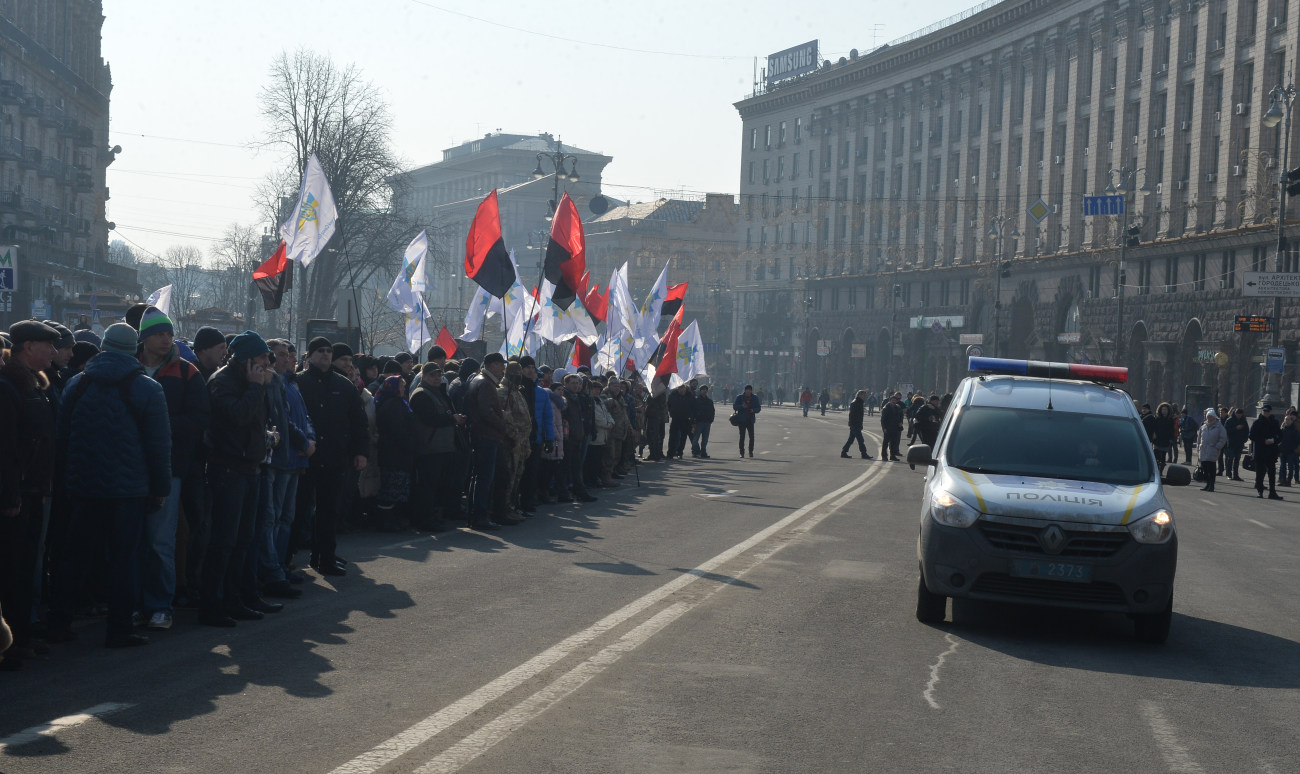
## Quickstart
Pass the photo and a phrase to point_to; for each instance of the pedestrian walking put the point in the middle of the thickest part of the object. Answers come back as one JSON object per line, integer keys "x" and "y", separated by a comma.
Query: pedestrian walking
{"x": 746, "y": 405}
{"x": 892, "y": 416}
{"x": 805, "y": 400}
{"x": 1238, "y": 430}
{"x": 1210, "y": 441}
{"x": 703, "y": 421}
{"x": 1265, "y": 434}
{"x": 857, "y": 409}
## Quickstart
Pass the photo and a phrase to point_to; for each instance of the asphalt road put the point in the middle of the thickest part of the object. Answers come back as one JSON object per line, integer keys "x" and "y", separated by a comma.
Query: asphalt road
{"x": 726, "y": 615}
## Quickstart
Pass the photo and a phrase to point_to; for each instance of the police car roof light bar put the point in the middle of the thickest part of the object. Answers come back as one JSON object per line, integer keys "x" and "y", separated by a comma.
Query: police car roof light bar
{"x": 1038, "y": 368}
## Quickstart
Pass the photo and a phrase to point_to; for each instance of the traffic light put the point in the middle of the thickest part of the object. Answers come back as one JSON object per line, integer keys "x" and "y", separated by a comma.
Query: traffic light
{"x": 1134, "y": 235}
{"x": 1293, "y": 182}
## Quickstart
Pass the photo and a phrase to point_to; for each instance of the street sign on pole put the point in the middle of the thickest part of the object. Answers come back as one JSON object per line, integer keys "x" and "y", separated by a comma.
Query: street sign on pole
{"x": 1283, "y": 284}
{"x": 1103, "y": 205}
{"x": 1274, "y": 360}
{"x": 1253, "y": 323}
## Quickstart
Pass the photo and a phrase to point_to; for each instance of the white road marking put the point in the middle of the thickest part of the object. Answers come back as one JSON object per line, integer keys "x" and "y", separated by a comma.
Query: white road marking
{"x": 1259, "y": 524}
{"x": 1175, "y": 754}
{"x": 725, "y": 493}
{"x": 933, "y": 682}
{"x": 60, "y": 724}
{"x": 765, "y": 452}
{"x": 1207, "y": 501}
{"x": 408, "y": 542}
{"x": 435, "y": 724}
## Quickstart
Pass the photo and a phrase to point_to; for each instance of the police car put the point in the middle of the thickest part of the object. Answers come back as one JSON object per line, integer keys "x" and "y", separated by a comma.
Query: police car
{"x": 1042, "y": 489}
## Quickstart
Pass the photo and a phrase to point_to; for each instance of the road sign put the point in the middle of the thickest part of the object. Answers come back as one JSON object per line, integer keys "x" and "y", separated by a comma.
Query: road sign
{"x": 1253, "y": 323}
{"x": 974, "y": 350}
{"x": 1103, "y": 205}
{"x": 936, "y": 326}
{"x": 823, "y": 347}
{"x": 1271, "y": 283}
{"x": 1039, "y": 210}
{"x": 1274, "y": 360}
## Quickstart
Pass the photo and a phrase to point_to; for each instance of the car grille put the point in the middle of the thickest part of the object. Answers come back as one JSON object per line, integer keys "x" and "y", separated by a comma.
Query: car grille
{"x": 998, "y": 584}
{"x": 1024, "y": 539}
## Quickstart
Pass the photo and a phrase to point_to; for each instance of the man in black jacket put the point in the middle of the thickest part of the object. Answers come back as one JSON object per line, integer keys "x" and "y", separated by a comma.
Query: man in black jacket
{"x": 856, "y": 410}
{"x": 891, "y": 424}
{"x": 928, "y": 419}
{"x": 681, "y": 409}
{"x": 576, "y": 440}
{"x": 703, "y": 422}
{"x": 439, "y": 467}
{"x": 1264, "y": 436}
{"x": 237, "y": 442}
{"x": 342, "y": 441}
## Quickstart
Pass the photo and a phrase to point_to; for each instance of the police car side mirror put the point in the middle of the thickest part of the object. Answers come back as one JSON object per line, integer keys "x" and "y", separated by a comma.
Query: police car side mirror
{"x": 1177, "y": 475}
{"x": 919, "y": 455}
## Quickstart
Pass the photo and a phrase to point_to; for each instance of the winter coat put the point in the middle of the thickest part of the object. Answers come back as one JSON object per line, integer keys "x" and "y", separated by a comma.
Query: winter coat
{"x": 399, "y": 437}
{"x": 1210, "y": 441}
{"x": 487, "y": 416}
{"x": 1238, "y": 432}
{"x": 27, "y": 422}
{"x": 703, "y": 409}
{"x": 113, "y": 450}
{"x": 543, "y": 414}
{"x": 557, "y": 419}
{"x": 604, "y": 423}
{"x": 1163, "y": 431}
{"x": 187, "y": 407}
{"x": 519, "y": 420}
{"x": 337, "y": 415}
{"x": 618, "y": 412}
{"x": 746, "y": 407}
{"x": 1187, "y": 428}
{"x": 299, "y": 434}
{"x": 1290, "y": 442}
{"x": 1263, "y": 430}
{"x": 681, "y": 406}
{"x": 436, "y": 419}
{"x": 240, "y": 416}
{"x": 928, "y": 419}
{"x": 856, "y": 410}
{"x": 891, "y": 416}
{"x": 576, "y": 429}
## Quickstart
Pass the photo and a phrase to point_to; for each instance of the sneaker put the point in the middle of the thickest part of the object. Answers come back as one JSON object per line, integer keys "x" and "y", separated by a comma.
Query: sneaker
{"x": 159, "y": 621}
{"x": 138, "y": 619}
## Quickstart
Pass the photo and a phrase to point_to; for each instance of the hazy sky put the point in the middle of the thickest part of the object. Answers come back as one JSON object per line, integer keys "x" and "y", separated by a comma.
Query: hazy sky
{"x": 650, "y": 84}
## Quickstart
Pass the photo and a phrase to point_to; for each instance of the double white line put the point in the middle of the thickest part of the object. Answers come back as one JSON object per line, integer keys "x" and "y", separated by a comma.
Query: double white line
{"x": 498, "y": 728}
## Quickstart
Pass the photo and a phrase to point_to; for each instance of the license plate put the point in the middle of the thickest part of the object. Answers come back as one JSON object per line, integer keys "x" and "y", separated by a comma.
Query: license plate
{"x": 1061, "y": 571}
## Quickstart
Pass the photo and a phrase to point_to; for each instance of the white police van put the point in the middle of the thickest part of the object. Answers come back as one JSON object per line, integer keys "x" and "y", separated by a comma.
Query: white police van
{"x": 1043, "y": 489}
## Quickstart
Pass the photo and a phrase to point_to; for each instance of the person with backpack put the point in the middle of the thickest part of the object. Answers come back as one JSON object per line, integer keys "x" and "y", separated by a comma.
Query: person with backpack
{"x": 114, "y": 435}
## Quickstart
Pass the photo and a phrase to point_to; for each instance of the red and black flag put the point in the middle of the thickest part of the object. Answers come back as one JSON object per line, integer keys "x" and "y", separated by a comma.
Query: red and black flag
{"x": 673, "y": 300}
{"x": 581, "y": 354}
{"x": 566, "y": 254}
{"x": 445, "y": 341}
{"x": 486, "y": 259}
{"x": 597, "y": 303}
{"x": 274, "y": 277}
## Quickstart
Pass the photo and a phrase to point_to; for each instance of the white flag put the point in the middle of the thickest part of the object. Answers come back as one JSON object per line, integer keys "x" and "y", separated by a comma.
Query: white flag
{"x": 648, "y": 320}
{"x": 406, "y": 295}
{"x": 516, "y": 302}
{"x": 417, "y": 329}
{"x": 162, "y": 299}
{"x": 690, "y": 356}
{"x": 557, "y": 325}
{"x": 619, "y": 339}
{"x": 311, "y": 224}
{"x": 475, "y": 315}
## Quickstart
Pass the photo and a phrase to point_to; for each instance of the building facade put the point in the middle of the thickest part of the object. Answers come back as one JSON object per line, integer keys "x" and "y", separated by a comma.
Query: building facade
{"x": 930, "y": 194}
{"x": 54, "y": 152}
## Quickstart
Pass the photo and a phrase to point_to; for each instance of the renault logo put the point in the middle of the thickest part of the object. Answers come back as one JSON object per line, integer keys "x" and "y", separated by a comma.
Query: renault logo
{"x": 1052, "y": 539}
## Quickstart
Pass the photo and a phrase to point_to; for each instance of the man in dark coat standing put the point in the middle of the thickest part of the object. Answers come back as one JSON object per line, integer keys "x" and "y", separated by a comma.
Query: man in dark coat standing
{"x": 856, "y": 410}
{"x": 928, "y": 419}
{"x": 576, "y": 439}
{"x": 487, "y": 424}
{"x": 892, "y": 415}
{"x": 342, "y": 441}
{"x": 681, "y": 411}
{"x": 1264, "y": 436}
{"x": 747, "y": 405}
{"x": 26, "y": 470}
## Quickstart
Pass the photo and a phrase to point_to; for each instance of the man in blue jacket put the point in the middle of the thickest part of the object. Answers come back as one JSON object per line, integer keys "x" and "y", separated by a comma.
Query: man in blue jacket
{"x": 114, "y": 434}
{"x": 746, "y": 405}
{"x": 277, "y": 501}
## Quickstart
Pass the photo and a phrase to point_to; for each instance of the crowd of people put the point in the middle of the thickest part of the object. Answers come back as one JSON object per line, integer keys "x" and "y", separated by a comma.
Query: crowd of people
{"x": 141, "y": 473}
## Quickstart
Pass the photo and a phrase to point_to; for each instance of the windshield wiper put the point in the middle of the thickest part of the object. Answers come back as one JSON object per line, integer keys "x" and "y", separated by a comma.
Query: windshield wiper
{"x": 985, "y": 471}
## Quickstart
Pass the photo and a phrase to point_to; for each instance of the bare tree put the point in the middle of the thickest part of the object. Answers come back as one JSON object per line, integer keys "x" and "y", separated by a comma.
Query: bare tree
{"x": 311, "y": 106}
{"x": 182, "y": 267}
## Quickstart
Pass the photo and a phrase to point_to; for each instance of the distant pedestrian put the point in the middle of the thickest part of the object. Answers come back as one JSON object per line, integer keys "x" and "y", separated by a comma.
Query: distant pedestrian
{"x": 857, "y": 409}
{"x": 1210, "y": 441}
{"x": 747, "y": 405}
{"x": 892, "y": 416}
{"x": 1265, "y": 433}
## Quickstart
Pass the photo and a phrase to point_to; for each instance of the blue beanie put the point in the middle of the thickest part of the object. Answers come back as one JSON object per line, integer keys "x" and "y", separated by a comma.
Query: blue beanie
{"x": 247, "y": 346}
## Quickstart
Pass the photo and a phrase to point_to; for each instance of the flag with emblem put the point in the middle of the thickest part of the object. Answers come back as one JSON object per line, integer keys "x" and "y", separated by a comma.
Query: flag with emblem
{"x": 408, "y": 289}
{"x": 557, "y": 325}
{"x": 312, "y": 222}
{"x": 689, "y": 354}
{"x": 272, "y": 278}
{"x": 476, "y": 314}
{"x": 417, "y": 330}
{"x": 486, "y": 260}
{"x": 566, "y": 253}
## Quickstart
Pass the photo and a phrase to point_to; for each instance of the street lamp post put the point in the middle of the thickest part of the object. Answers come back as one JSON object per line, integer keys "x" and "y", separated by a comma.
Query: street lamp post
{"x": 1121, "y": 181}
{"x": 808, "y": 348}
{"x": 997, "y": 228}
{"x": 557, "y": 160}
{"x": 1280, "y": 99}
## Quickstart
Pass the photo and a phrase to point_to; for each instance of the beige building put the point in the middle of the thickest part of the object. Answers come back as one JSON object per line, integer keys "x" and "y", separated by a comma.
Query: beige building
{"x": 54, "y": 151}
{"x": 934, "y": 188}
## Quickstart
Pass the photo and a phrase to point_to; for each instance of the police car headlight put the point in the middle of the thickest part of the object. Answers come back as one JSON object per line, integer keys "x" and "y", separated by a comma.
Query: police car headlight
{"x": 951, "y": 511}
{"x": 1156, "y": 528}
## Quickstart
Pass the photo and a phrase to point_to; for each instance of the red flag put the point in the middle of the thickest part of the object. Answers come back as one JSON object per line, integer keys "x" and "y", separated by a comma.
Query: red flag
{"x": 597, "y": 303}
{"x": 673, "y": 300}
{"x": 273, "y": 277}
{"x": 668, "y": 363}
{"x": 445, "y": 341}
{"x": 486, "y": 259}
{"x": 566, "y": 254}
{"x": 581, "y": 354}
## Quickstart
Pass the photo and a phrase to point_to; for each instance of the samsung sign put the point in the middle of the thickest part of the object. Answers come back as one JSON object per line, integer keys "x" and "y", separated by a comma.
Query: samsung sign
{"x": 792, "y": 62}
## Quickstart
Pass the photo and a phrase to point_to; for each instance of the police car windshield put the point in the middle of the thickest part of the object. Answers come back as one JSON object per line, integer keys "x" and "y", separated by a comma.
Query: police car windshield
{"x": 1050, "y": 444}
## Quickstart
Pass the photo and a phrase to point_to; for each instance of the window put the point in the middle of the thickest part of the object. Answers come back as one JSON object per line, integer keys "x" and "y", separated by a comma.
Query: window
{"x": 964, "y": 292}
{"x": 1228, "y": 278}
{"x": 1144, "y": 278}
{"x": 944, "y": 295}
{"x": 780, "y": 168}
{"x": 780, "y": 137}
{"x": 1171, "y": 274}
{"x": 766, "y": 177}
{"x": 751, "y": 172}
{"x": 1094, "y": 281}
{"x": 798, "y": 129}
{"x": 794, "y": 166}
{"x": 1198, "y": 272}
{"x": 753, "y": 138}
{"x": 767, "y": 137}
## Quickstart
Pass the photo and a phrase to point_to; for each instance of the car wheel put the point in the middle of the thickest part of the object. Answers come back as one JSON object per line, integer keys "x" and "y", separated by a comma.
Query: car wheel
{"x": 930, "y": 607}
{"x": 1154, "y": 627}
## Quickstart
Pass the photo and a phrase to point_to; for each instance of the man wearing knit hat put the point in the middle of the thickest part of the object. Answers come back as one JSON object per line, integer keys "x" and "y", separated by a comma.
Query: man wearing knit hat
{"x": 26, "y": 470}
{"x": 238, "y": 440}
{"x": 187, "y": 409}
{"x": 115, "y": 437}
{"x": 342, "y": 440}
{"x": 210, "y": 348}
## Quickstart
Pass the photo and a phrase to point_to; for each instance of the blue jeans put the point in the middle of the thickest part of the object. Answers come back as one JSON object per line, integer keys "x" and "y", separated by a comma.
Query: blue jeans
{"x": 700, "y": 438}
{"x": 158, "y": 556}
{"x": 485, "y": 467}
{"x": 1290, "y": 467}
{"x": 276, "y": 506}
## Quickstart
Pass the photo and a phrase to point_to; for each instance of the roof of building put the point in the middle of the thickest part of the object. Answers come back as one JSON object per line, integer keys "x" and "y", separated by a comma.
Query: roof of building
{"x": 665, "y": 210}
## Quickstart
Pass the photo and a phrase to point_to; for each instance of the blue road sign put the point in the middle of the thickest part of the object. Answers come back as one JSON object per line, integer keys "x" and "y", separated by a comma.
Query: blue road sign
{"x": 1103, "y": 205}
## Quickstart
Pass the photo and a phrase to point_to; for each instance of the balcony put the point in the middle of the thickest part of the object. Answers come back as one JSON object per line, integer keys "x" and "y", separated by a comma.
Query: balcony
{"x": 11, "y": 148}
{"x": 32, "y": 105}
{"x": 51, "y": 167}
{"x": 31, "y": 207}
{"x": 53, "y": 116}
{"x": 10, "y": 202}
{"x": 31, "y": 158}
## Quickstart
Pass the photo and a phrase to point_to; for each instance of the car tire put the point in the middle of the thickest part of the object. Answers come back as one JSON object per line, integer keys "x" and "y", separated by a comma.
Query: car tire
{"x": 1154, "y": 627}
{"x": 930, "y": 607}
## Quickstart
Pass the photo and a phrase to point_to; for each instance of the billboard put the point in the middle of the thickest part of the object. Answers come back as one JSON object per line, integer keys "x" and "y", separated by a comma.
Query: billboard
{"x": 8, "y": 277}
{"x": 792, "y": 62}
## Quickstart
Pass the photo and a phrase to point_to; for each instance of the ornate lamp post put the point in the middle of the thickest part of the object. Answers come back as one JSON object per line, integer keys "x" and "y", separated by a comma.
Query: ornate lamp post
{"x": 1280, "y": 102}
{"x": 1121, "y": 181}
{"x": 997, "y": 230}
{"x": 557, "y": 161}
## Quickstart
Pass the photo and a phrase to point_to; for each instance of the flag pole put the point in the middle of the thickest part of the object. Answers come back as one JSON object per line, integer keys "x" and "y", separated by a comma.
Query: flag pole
{"x": 352, "y": 280}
